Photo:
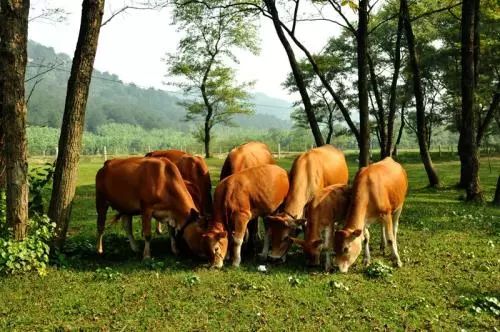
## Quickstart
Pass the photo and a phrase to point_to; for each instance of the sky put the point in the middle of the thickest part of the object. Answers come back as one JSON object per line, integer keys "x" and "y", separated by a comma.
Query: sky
{"x": 134, "y": 44}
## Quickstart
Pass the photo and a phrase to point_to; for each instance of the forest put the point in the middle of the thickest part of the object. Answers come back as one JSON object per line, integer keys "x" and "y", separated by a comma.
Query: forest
{"x": 407, "y": 92}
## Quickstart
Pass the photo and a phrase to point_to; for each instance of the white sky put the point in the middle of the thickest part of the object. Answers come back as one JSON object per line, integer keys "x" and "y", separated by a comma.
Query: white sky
{"x": 133, "y": 44}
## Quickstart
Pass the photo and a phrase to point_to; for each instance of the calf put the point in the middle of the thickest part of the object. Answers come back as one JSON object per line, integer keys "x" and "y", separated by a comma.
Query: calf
{"x": 328, "y": 208}
{"x": 311, "y": 172}
{"x": 148, "y": 187}
{"x": 239, "y": 198}
{"x": 378, "y": 194}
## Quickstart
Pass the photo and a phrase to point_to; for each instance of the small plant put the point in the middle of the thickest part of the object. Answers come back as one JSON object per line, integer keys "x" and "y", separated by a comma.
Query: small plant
{"x": 378, "y": 270}
{"x": 154, "y": 265}
{"x": 192, "y": 280}
{"x": 336, "y": 285}
{"x": 107, "y": 273}
{"x": 31, "y": 254}
{"x": 481, "y": 304}
{"x": 295, "y": 281}
{"x": 38, "y": 178}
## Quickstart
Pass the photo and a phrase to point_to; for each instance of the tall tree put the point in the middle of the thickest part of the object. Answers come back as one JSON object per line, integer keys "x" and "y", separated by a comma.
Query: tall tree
{"x": 362, "y": 57}
{"x": 419, "y": 98}
{"x": 13, "y": 58}
{"x": 297, "y": 73}
{"x": 213, "y": 35}
{"x": 467, "y": 143}
{"x": 70, "y": 141}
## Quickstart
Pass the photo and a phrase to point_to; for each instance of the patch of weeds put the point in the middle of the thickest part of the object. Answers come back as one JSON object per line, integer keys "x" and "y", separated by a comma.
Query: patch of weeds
{"x": 107, "y": 273}
{"x": 295, "y": 281}
{"x": 334, "y": 286}
{"x": 247, "y": 285}
{"x": 378, "y": 270}
{"x": 192, "y": 280}
{"x": 154, "y": 265}
{"x": 488, "y": 304}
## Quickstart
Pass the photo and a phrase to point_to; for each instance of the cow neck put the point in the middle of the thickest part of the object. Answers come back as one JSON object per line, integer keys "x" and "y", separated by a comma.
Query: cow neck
{"x": 356, "y": 218}
{"x": 295, "y": 203}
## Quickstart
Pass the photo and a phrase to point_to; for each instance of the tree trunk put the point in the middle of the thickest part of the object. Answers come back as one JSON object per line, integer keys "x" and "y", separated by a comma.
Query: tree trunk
{"x": 70, "y": 141}
{"x": 393, "y": 90}
{"x": 207, "y": 140}
{"x": 297, "y": 74}
{"x": 467, "y": 143}
{"x": 496, "y": 200}
{"x": 13, "y": 58}
{"x": 400, "y": 133}
{"x": 380, "y": 112}
{"x": 364, "y": 118}
{"x": 419, "y": 99}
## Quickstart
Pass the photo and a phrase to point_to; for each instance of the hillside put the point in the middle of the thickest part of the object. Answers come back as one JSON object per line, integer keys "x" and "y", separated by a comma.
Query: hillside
{"x": 112, "y": 101}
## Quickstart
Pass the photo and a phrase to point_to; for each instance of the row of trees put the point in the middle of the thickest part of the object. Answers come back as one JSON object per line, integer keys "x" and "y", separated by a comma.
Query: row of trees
{"x": 217, "y": 27}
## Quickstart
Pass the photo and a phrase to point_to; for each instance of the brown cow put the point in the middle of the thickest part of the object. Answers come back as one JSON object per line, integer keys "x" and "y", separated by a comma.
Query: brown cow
{"x": 247, "y": 155}
{"x": 327, "y": 209}
{"x": 378, "y": 194}
{"x": 241, "y": 197}
{"x": 193, "y": 169}
{"x": 147, "y": 186}
{"x": 311, "y": 171}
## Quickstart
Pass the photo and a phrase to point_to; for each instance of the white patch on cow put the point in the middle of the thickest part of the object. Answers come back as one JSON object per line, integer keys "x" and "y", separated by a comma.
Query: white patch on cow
{"x": 237, "y": 242}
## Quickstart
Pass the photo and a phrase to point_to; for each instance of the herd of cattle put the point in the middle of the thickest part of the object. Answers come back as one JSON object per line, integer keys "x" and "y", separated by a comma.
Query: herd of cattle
{"x": 174, "y": 187}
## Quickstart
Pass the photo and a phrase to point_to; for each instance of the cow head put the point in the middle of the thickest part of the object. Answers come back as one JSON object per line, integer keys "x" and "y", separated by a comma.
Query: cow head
{"x": 282, "y": 227}
{"x": 312, "y": 250}
{"x": 216, "y": 246}
{"x": 347, "y": 247}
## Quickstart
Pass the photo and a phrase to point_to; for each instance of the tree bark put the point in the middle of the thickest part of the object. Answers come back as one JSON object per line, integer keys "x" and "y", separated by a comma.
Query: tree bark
{"x": 467, "y": 143}
{"x": 70, "y": 141}
{"x": 13, "y": 59}
{"x": 364, "y": 117}
{"x": 297, "y": 73}
{"x": 393, "y": 90}
{"x": 401, "y": 128}
{"x": 419, "y": 99}
{"x": 381, "y": 124}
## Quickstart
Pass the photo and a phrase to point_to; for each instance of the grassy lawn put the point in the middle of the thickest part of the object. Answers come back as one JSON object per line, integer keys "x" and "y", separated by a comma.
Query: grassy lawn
{"x": 449, "y": 250}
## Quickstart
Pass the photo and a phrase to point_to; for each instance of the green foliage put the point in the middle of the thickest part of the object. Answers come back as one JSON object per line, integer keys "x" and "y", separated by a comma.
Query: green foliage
{"x": 31, "y": 254}
{"x": 106, "y": 274}
{"x": 378, "y": 270}
{"x": 38, "y": 178}
{"x": 489, "y": 304}
{"x": 192, "y": 280}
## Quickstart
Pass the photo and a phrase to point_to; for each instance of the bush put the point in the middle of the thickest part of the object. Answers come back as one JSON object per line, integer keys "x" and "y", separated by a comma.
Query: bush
{"x": 31, "y": 254}
{"x": 378, "y": 270}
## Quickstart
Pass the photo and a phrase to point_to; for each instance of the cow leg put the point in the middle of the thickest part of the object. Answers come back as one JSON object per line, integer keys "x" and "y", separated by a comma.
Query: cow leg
{"x": 329, "y": 234}
{"x": 240, "y": 225}
{"x": 173, "y": 244}
{"x": 383, "y": 241}
{"x": 367, "y": 256}
{"x": 389, "y": 233}
{"x": 267, "y": 240}
{"x": 146, "y": 232}
{"x": 253, "y": 230}
{"x": 395, "y": 223}
{"x": 159, "y": 229}
{"x": 102, "y": 210}
{"x": 127, "y": 226}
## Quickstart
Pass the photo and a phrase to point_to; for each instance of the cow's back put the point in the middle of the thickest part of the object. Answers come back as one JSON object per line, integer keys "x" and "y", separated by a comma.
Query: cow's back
{"x": 172, "y": 155}
{"x": 247, "y": 155}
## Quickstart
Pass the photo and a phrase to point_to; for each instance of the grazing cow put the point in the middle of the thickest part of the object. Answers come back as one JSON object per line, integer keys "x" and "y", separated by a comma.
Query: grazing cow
{"x": 311, "y": 171}
{"x": 150, "y": 187}
{"x": 247, "y": 155}
{"x": 241, "y": 197}
{"x": 193, "y": 169}
{"x": 378, "y": 194}
{"x": 327, "y": 209}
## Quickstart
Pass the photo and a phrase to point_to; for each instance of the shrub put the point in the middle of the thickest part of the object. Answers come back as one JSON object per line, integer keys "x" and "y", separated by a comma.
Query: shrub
{"x": 378, "y": 270}
{"x": 31, "y": 254}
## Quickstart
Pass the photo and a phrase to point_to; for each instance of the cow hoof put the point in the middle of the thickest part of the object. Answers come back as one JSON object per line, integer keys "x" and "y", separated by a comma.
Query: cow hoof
{"x": 398, "y": 263}
{"x": 366, "y": 262}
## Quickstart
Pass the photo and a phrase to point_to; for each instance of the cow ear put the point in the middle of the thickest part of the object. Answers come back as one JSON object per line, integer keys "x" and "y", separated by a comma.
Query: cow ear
{"x": 298, "y": 241}
{"x": 356, "y": 233}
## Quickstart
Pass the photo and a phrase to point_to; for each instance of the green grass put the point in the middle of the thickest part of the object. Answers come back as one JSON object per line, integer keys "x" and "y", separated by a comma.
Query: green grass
{"x": 449, "y": 249}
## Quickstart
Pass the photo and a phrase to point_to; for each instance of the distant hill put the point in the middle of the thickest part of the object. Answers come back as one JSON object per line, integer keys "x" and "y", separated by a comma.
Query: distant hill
{"x": 112, "y": 101}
